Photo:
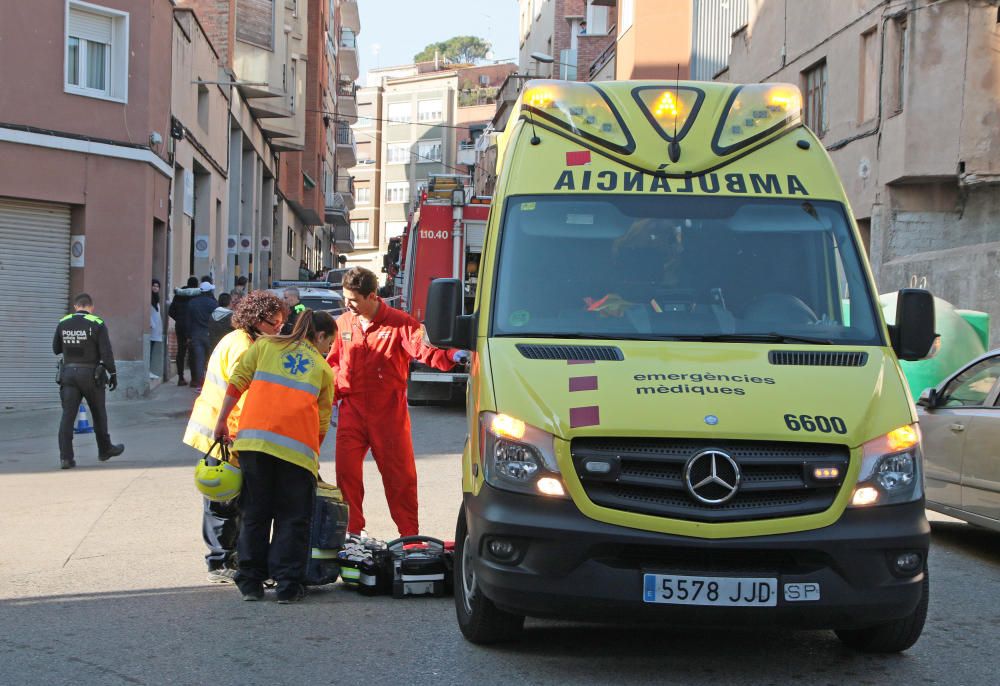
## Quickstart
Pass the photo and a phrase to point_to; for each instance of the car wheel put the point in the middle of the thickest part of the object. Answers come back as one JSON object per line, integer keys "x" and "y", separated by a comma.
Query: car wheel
{"x": 891, "y": 637}
{"x": 479, "y": 619}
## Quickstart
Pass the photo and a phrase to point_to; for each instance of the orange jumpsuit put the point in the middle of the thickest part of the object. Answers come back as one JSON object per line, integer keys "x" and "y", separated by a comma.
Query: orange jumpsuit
{"x": 371, "y": 368}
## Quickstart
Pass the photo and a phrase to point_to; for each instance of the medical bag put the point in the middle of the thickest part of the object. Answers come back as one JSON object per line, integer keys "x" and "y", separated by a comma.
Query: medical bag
{"x": 326, "y": 535}
{"x": 366, "y": 565}
{"x": 421, "y": 565}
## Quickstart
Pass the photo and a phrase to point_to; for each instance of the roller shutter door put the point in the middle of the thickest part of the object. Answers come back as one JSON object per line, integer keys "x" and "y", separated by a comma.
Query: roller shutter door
{"x": 34, "y": 292}
{"x": 475, "y": 235}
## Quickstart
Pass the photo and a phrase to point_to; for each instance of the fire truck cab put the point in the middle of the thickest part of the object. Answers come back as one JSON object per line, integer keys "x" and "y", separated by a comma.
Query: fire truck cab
{"x": 443, "y": 239}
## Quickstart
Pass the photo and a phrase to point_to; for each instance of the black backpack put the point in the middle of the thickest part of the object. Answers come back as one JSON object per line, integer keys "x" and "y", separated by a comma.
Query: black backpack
{"x": 326, "y": 535}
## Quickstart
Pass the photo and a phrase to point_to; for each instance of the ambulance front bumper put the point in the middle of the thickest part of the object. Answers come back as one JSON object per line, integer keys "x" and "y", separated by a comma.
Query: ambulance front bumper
{"x": 567, "y": 565}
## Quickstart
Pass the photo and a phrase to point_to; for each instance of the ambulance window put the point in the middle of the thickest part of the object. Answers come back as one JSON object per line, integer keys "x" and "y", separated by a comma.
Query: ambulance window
{"x": 654, "y": 267}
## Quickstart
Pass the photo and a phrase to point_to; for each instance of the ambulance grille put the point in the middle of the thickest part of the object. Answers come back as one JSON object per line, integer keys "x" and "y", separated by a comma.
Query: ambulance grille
{"x": 812, "y": 358}
{"x": 647, "y": 477}
{"x": 577, "y": 353}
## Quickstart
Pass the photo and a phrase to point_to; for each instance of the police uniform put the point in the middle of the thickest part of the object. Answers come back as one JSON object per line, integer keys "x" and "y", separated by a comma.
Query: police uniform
{"x": 82, "y": 339}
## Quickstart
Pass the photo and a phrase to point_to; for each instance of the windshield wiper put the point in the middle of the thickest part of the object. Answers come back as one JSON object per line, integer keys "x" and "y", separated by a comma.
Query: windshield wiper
{"x": 771, "y": 337}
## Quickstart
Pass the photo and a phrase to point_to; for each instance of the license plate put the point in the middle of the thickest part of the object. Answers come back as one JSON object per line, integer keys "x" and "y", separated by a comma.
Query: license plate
{"x": 716, "y": 591}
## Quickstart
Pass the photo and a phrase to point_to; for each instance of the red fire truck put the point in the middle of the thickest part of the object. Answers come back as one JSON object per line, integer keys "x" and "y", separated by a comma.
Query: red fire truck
{"x": 443, "y": 239}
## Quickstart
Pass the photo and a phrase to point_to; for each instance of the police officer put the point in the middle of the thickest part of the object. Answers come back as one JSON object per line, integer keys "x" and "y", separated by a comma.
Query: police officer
{"x": 87, "y": 366}
{"x": 295, "y": 308}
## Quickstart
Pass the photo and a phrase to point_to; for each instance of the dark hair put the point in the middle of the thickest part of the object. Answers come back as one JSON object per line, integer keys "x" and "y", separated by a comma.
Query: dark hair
{"x": 255, "y": 308}
{"x": 208, "y": 278}
{"x": 308, "y": 325}
{"x": 241, "y": 281}
{"x": 192, "y": 282}
{"x": 83, "y": 300}
{"x": 154, "y": 297}
{"x": 360, "y": 280}
{"x": 225, "y": 299}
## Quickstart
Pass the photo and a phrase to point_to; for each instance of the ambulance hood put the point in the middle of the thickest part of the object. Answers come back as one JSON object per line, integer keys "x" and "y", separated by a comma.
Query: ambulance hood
{"x": 703, "y": 390}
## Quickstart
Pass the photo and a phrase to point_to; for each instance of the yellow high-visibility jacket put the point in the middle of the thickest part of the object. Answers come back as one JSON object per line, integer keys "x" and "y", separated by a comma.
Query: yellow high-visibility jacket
{"x": 221, "y": 366}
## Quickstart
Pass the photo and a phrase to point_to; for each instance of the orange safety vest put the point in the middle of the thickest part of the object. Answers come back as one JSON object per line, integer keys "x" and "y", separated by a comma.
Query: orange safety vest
{"x": 289, "y": 394}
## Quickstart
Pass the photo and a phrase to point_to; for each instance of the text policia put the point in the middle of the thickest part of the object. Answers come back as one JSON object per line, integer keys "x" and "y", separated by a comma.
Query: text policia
{"x": 692, "y": 382}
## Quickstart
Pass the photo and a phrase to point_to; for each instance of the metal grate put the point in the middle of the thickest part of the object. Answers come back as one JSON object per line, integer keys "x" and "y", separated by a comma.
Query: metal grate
{"x": 811, "y": 358}
{"x": 601, "y": 353}
{"x": 647, "y": 476}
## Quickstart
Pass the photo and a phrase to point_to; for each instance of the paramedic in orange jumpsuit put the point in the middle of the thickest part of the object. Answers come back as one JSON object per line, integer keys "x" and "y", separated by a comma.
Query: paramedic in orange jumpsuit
{"x": 370, "y": 357}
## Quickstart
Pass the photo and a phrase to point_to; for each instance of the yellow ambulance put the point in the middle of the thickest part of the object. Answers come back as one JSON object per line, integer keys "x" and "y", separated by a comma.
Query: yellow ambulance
{"x": 684, "y": 405}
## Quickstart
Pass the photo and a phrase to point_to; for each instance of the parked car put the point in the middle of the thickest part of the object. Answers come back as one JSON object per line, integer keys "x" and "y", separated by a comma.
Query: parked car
{"x": 325, "y": 299}
{"x": 960, "y": 422}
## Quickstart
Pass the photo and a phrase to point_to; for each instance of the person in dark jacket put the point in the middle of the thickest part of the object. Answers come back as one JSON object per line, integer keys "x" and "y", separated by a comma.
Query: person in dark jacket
{"x": 178, "y": 312}
{"x": 199, "y": 320}
{"x": 222, "y": 320}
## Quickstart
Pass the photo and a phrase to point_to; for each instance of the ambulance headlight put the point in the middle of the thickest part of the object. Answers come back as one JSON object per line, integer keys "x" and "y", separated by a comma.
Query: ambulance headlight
{"x": 518, "y": 457}
{"x": 891, "y": 469}
{"x": 755, "y": 111}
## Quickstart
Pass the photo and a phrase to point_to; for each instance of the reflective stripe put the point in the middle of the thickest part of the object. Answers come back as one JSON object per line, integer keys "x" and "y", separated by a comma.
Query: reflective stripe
{"x": 277, "y": 439}
{"x": 200, "y": 428}
{"x": 322, "y": 554}
{"x": 215, "y": 379}
{"x": 286, "y": 382}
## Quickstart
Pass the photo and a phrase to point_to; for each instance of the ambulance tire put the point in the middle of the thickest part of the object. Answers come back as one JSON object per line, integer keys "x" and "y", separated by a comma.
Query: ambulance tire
{"x": 891, "y": 637}
{"x": 480, "y": 620}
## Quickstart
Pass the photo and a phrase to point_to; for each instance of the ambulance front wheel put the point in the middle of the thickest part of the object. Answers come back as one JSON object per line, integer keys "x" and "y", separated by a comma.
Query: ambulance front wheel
{"x": 479, "y": 619}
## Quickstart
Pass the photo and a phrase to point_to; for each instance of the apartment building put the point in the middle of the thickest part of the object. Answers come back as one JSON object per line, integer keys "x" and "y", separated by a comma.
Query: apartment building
{"x": 86, "y": 126}
{"x": 341, "y": 194}
{"x": 905, "y": 96}
{"x": 367, "y": 175}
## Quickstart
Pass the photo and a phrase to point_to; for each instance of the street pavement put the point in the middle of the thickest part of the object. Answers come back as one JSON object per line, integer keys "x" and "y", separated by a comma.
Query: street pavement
{"x": 102, "y": 581}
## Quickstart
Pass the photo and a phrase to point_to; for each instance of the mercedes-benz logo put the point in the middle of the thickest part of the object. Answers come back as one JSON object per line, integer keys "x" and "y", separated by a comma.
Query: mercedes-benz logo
{"x": 712, "y": 477}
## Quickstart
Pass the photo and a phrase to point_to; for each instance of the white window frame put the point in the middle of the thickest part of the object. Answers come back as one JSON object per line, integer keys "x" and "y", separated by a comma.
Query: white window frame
{"x": 628, "y": 16}
{"x": 435, "y": 115}
{"x": 396, "y": 119}
{"x": 391, "y": 197}
{"x": 116, "y": 60}
{"x": 397, "y": 150}
{"x": 365, "y": 240}
{"x": 423, "y": 157}
{"x": 367, "y": 199}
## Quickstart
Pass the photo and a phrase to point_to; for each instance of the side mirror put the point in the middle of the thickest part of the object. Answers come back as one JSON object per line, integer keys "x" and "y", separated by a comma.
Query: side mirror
{"x": 928, "y": 399}
{"x": 446, "y": 326}
{"x": 913, "y": 334}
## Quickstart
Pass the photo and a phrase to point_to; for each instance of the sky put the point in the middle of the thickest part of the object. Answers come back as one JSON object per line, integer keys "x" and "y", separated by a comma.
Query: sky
{"x": 393, "y": 31}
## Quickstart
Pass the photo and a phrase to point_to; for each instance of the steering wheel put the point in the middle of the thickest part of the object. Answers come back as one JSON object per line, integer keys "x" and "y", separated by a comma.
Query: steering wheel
{"x": 781, "y": 307}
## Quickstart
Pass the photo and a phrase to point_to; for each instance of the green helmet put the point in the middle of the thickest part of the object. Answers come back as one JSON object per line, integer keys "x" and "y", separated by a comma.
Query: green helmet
{"x": 220, "y": 482}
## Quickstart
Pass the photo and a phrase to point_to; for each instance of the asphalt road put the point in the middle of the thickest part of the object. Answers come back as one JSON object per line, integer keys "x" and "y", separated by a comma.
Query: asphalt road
{"x": 102, "y": 582}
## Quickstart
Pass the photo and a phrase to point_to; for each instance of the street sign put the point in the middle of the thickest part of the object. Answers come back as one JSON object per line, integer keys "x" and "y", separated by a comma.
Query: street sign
{"x": 201, "y": 245}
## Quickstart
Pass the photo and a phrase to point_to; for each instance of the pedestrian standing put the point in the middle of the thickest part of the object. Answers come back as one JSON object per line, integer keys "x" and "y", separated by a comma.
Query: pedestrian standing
{"x": 370, "y": 358}
{"x": 178, "y": 312}
{"x": 199, "y": 319}
{"x": 88, "y": 365}
{"x": 155, "y": 333}
{"x": 286, "y": 413}
{"x": 259, "y": 314}
{"x": 239, "y": 290}
{"x": 222, "y": 321}
{"x": 295, "y": 308}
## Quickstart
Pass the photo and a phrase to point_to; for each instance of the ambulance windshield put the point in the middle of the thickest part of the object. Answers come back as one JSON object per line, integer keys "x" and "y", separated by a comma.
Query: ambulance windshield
{"x": 687, "y": 268}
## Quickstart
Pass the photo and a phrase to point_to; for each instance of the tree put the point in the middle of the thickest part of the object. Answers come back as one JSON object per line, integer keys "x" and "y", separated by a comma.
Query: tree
{"x": 457, "y": 50}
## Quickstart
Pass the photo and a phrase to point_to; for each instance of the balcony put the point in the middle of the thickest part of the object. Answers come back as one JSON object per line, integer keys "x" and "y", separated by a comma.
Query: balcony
{"x": 347, "y": 151}
{"x": 467, "y": 153}
{"x": 349, "y": 17}
{"x": 335, "y": 210}
{"x": 343, "y": 238}
{"x": 347, "y": 104}
{"x": 603, "y": 68}
{"x": 344, "y": 187}
{"x": 478, "y": 96}
{"x": 347, "y": 56}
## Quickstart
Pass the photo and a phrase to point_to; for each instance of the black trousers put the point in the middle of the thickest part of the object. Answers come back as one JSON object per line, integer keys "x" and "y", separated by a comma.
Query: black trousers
{"x": 78, "y": 383}
{"x": 279, "y": 492}
{"x": 220, "y": 527}
{"x": 184, "y": 353}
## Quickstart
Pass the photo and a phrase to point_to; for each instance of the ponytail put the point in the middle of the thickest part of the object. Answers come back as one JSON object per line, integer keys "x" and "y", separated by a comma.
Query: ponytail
{"x": 308, "y": 325}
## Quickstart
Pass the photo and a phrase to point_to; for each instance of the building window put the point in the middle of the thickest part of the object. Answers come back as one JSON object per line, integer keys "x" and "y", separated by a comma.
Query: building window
{"x": 362, "y": 232}
{"x": 290, "y": 243}
{"x": 255, "y": 22}
{"x": 203, "y": 107}
{"x": 628, "y": 16}
{"x": 868, "y": 82}
{"x": 397, "y": 153}
{"x": 429, "y": 110}
{"x": 815, "y": 105}
{"x": 363, "y": 195}
{"x": 393, "y": 229}
{"x": 399, "y": 112}
{"x": 293, "y": 85}
{"x": 397, "y": 192}
{"x": 901, "y": 57}
{"x": 429, "y": 151}
{"x": 96, "y": 51}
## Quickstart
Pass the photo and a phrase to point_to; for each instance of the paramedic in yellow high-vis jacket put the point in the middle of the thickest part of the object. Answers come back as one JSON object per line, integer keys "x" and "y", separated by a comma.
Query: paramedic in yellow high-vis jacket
{"x": 259, "y": 313}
